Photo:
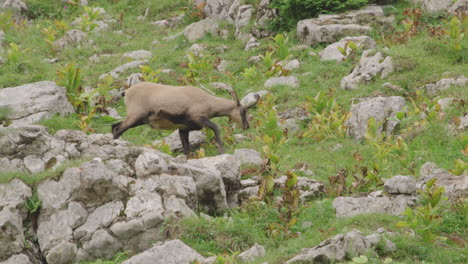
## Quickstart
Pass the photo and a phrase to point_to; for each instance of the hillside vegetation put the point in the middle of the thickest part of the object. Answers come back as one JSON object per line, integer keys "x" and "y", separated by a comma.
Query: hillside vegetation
{"x": 424, "y": 47}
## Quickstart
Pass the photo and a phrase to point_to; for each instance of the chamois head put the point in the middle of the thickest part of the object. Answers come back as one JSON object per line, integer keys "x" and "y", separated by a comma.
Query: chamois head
{"x": 239, "y": 114}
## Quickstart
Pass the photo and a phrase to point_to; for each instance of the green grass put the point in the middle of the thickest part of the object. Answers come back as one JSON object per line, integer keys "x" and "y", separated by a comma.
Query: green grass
{"x": 422, "y": 59}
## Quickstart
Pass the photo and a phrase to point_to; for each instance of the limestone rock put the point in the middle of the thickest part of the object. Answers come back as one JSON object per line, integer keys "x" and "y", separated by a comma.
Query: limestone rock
{"x": 331, "y": 52}
{"x": 138, "y": 55}
{"x": 149, "y": 163}
{"x": 444, "y": 84}
{"x": 252, "y": 97}
{"x": 31, "y": 103}
{"x": 17, "y": 259}
{"x": 198, "y": 30}
{"x": 283, "y": 80}
{"x": 252, "y": 253}
{"x": 71, "y": 38}
{"x": 248, "y": 157}
{"x": 392, "y": 205}
{"x": 168, "y": 23}
{"x": 369, "y": 66}
{"x": 121, "y": 69}
{"x": 221, "y": 86}
{"x": 381, "y": 108}
{"x": 400, "y": 185}
{"x": 171, "y": 252}
{"x": 251, "y": 44}
{"x": 455, "y": 186}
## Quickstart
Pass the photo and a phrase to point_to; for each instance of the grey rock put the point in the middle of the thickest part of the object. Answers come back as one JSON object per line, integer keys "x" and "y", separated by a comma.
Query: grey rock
{"x": 248, "y": 183}
{"x": 455, "y": 186}
{"x": 335, "y": 249}
{"x": 176, "y": 207}
{"x": 133, "y": 79}
{"x": 121, "y": 69}
{"x": 51, "y": 61}
{"x": 435, "y": 5}
{"x": 251, "y": 44}
{"x": 64, "y": 252}
{"x": 11, "y": 232}
{"x": 445, "y": 103}
{"x": 444, "y": 84}
{"x": 17, "y": 259}
{"x": 375, "y": 240}
{"x": 291, "y": 126}
{"x": 369, "y": 66}
{"x": 400, "y": 185}
{"x": 125, "y": 230}
{"x": 383, "y": 109}
{"x": 392, "y": 205}
{"x": 292, "y": 65}
{"x": 198, "y": 30}
{"x": 290, "y": 81}
{"x": 392, "y": 87}
{"x": 246, "y": 193}
{"x": 248, "y": 157}
{"x": 34, "y": 164}
{"x": 463, "y": 122}
{"x": 222, "y": 65}
{"x": 138, "y": 55}
{"x": 34, "y": 102}
{"x": 196, "y": 138}
{"x": 221, "y": 86}
{"x": 174, "y": 36}
{"x": 252, "y": 253}
{"x": 460, "y": 6}
{"x": 171, "y": 252}
{"x": 102, "y": 245}
{"x": 149, "y": 163}
{"x": 168, "y": 23}
{"x": 243, "y": 17}
{"x": 255, "y": 59}
{"x": 72, "y": 37}
{"x": 102, "y": 216}
{"x": 331, "y": 52}
{"x": 252, "y": 97}
{"x": 13, "y": 194}
{"x": 196, "y": 49}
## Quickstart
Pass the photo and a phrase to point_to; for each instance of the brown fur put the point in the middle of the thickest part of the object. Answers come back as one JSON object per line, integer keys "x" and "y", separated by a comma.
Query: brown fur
{"x": 176, "y": 107}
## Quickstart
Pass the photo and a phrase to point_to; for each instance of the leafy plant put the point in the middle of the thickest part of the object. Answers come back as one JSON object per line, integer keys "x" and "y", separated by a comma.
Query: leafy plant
{"x": 411, "y": 25}
{"x": 33, "y": 204}
{"x": 87, "y": 20}
{"x": 349, "y": 51}
{"x": 427, "y": 217}
{"x": 70, "y": 77}
{"x": 281, "y": 48}
{"x": 149, "y": 74}
{"x": 328, "y": 119}
{"x": 251, "y": 74}
{"x": 104, "y": 86}
{"x": 199, "y": 68}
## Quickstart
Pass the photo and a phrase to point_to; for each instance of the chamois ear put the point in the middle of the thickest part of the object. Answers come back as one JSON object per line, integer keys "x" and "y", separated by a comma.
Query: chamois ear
{"x": 234, "y": 97}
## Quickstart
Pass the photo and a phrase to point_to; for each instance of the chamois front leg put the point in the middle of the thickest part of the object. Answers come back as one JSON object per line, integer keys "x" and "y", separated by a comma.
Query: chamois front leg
{"x": 207, "y": 123}
{"x": 184, "y": 138}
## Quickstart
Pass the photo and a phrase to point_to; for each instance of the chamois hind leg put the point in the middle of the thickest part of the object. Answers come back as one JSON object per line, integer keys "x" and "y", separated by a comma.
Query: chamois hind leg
{"x": 119, "y": 128}
{"x": 184, "y": 138}
{"x": 207, "y": 123}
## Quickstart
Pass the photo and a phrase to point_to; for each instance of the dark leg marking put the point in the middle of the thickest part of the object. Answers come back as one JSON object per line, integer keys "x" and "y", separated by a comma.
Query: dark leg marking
{"x": 126, "y": 125}
{"x": 184, "y": 138}
{"x": 207, "y": 123}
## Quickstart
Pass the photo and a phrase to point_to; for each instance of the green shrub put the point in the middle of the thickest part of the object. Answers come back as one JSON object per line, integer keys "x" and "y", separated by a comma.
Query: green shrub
{"x": 291, "y": 11}
{"x": 50, "y": 9}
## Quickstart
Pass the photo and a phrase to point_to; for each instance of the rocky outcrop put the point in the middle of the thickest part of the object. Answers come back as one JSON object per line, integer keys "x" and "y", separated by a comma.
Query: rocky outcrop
{"x": 370, "y": 65}
{"x": 121, "y": 69}
{"x": 252, "y": 253}
{"x": 138, "y": 55}
{"x": 331, "y": 28}
{"x": 72, "y": 37}
{"x": 343, "y": 247}
{"x": 31, "y": 103}
{"x": 331, "y": 52}
{"x": 400, "y": 185}
{"x": 443, "y": 5}
{"x": 198, "y": 30}
{"x": 382, "y": 109}
{"x": 114, "y": 203}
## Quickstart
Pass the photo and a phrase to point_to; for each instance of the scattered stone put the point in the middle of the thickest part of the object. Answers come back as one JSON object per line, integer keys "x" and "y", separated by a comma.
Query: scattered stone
{"x": 72, "y": 37}
{"x": 463, "y": 122}
{"x": 221, "y": 86}
{"x": 392, "y": 205}
{"x": 31, "y": 103}
{"x": 383, "y": 109}
{"x": 121, "y": 69}
{"x": 255, "y": 59}
{"x": 172, "y": 37}
{"x": 51, "y": 61}
{"x": 290, "y": 81}
{"x": 331, "y": 52}
{"x": 444, "y": 84}
{"x": 222, "y": 65}
{"x": 292, "y": 65}
{"x": 441, "y": 5}
{"x": 248, "y": 157}
{"x": 242, "y": 19}
{"x": 369, "y": 66}
{"x": 252, "y": 253}
{"x": 445, "y": 103}
{"x": 133, "y": 79}
{"x": 400, "y": 185}
{"x": 168, "y": 23}
{"x": 196, "y": 49}
{"x": 455, "y": 186}
{"x": 252, "y": 97}
{"x": 340, "y": 248}
{"x": 17, "y": 259}
{"x": 392, "y": 87}
{"x": 170, "y": 252}
{"x": 138, "y": 55}
{"x": 198, "y": 30}
{"x": 252, "y": 44}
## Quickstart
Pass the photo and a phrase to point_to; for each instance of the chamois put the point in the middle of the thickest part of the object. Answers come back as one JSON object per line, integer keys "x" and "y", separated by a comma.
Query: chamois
{"x": 185, "y": 108}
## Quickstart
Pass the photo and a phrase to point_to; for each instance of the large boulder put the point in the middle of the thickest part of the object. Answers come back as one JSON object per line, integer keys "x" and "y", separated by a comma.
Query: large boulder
{"x": 382, "y": 109}
{"x": 400, "y": 185}
{"x": 443, "y": 5}
{"x": 368, "y": 67}
{"x": 31, "y": 103}
{"x": 331, "y": 28}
